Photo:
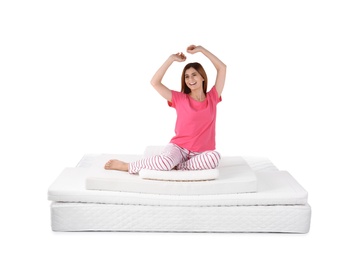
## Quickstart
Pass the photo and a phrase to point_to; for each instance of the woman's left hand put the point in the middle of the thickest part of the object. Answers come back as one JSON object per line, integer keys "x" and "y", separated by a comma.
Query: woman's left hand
{"x": 193, "y": 49}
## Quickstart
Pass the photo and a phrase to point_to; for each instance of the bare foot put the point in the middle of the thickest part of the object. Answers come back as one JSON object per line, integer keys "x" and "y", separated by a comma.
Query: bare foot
{"x": 116, "y": 165}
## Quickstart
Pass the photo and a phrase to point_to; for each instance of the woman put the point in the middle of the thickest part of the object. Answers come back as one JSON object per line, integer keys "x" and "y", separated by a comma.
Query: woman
{"x": 193, "y": 146}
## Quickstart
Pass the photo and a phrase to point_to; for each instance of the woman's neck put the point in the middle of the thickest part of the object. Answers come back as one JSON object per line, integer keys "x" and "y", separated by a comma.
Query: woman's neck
{"x": 198, "y": 95}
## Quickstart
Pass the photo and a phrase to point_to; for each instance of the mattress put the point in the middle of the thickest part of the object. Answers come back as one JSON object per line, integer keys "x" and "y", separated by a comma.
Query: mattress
{"x": 235, "y": 176}
{"x": 279, "y": 204}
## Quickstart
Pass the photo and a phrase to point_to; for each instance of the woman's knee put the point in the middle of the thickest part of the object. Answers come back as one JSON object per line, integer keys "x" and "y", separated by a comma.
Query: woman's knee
{"x": 164, "y": 163}
{"x": 212, "y": 159}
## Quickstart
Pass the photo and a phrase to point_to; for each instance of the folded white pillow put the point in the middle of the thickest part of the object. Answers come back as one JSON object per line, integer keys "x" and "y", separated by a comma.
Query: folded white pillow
{"x": 179, "y": 175}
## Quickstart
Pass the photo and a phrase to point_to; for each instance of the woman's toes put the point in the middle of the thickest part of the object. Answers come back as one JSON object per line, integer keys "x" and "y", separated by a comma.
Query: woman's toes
{"x": 107, "y": 165}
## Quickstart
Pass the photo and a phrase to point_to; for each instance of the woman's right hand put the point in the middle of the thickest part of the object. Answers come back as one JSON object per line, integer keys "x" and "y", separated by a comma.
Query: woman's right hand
{"x": 180, "y": 57}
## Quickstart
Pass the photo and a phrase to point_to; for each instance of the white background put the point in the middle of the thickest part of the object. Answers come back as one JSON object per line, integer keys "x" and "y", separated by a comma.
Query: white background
{"x": 75, "y": 79}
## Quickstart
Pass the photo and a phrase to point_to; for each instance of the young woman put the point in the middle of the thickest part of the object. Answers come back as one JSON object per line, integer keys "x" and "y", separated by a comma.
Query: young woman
{"x": 193, "y": 146}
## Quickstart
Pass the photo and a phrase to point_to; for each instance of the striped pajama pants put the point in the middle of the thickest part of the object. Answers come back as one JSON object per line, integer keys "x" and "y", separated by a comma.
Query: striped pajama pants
{"x": 175, "y": 157}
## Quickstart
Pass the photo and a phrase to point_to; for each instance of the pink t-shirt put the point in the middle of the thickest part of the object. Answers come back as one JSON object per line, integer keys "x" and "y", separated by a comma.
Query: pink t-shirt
{"x": 196, "y": 121}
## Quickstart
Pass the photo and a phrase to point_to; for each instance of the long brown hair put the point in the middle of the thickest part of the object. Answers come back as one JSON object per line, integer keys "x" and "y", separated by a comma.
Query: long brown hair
{"x": 197, "y": 66}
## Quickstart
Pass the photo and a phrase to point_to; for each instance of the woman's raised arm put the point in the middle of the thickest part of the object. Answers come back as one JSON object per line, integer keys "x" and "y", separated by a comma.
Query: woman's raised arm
{"x": 218, "y": 64}
{"x": 156, "y": 80}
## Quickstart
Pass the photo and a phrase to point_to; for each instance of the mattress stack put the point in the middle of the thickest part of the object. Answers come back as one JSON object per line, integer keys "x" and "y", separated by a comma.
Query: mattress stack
{"x": 250, "y": 194}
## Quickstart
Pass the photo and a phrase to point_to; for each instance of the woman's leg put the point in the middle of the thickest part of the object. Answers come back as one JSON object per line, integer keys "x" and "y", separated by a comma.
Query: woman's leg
{"x": 201, "y": 161}
{"x": 167, "y": 160}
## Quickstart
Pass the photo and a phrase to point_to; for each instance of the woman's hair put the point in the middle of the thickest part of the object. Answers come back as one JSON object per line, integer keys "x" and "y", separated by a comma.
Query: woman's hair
{"x": 197, "y": 66}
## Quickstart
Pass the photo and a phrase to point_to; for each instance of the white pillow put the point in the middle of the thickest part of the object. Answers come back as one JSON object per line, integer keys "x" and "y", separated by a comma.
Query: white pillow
{"x": 179, "y": 175}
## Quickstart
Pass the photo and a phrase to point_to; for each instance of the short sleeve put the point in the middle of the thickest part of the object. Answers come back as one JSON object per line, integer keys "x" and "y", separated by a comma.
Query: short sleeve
{"x": 175, "y": 99}
{"x": 214, "y": 95}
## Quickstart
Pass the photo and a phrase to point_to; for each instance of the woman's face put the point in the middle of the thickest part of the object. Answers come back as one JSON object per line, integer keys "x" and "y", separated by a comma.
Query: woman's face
{"x": 193, "y": 79}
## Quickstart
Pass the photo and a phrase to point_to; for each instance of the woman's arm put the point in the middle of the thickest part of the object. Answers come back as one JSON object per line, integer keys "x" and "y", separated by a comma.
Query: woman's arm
{"x": 218, "y": 64}
{"x": 156, "y": 80}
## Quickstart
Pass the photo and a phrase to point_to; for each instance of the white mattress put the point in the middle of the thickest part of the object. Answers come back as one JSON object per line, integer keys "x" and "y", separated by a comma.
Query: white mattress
{"x": 148, "y": 218}
{"x": 279, "y": 205}
{"x": 235, "y": 176}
